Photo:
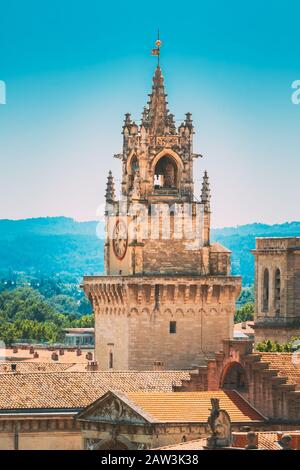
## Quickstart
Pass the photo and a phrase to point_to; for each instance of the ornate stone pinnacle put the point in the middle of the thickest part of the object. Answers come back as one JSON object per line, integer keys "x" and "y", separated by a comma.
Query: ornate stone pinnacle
{"x": 110, "y": 188}
{"x": 205, "y": 192}
{"x": 188, "y": 120}
{"x": 171, "y": 123}
{"x": 127, "y": 120}
{"x": 145, "y": 116}
{"x": 157, "y": 105}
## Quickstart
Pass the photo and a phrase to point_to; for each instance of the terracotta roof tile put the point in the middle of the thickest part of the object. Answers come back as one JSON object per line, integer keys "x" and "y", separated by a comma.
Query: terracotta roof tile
{"x": 63, "y": 390}
{"x": 23, "y": 367}
{"x": 288, "y": 365}
{"x": 244, "y": 327}
{"x": 192, "y": 406}
{"x": 267, "y": 440}
{"x": 23, "y": 355}
{"x": 196, "y": 444}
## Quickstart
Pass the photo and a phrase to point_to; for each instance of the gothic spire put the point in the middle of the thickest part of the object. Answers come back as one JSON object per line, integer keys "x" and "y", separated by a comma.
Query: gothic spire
{"x": 205, "y": 192}
{"x": 157, "y": 104}
{"x": 110, "y": 189}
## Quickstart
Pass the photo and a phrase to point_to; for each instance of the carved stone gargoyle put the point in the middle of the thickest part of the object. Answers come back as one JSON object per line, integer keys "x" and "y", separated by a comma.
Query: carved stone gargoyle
{"x": 220, "y": 425}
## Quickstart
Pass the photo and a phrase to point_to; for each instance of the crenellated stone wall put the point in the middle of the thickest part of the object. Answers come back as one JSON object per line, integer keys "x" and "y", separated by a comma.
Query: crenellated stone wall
{"x": 133, "y": 316}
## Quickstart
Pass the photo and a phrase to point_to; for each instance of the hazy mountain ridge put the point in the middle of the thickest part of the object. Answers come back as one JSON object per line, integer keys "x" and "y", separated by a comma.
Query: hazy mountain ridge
{"x": 241, "y": 240}
{"x": 61, "y": 245}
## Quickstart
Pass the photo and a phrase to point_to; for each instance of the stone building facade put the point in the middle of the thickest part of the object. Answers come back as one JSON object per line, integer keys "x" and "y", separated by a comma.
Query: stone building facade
{"x": 167, "y": 298}
{"x": 277, "y": 289}
{"x": 148, "y": 420}
{"x": 39, "y": 431}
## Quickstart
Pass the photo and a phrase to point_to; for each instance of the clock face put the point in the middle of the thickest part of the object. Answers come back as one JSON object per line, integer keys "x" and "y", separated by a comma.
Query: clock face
{"x": 120, "y": 239}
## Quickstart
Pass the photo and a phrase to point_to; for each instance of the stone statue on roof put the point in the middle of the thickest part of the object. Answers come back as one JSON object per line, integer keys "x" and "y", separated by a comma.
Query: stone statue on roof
{"x": 220, "y": 425}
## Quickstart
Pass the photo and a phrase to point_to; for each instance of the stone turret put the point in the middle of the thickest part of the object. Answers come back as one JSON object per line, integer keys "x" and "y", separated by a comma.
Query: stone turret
{"x": 110, "y": 188}
{"x": 205, "y": 200}
{"x": 110, "y": 196}
{"x": 205, "y": 192}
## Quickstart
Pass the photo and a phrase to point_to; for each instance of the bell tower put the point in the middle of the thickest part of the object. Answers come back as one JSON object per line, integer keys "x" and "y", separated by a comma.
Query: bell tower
{"x": 167, "y": 296}
{"x": 157, "y": 197}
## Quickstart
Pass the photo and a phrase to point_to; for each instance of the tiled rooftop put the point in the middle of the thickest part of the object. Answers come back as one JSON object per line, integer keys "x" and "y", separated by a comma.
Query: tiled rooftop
{"x": 24, "y": 355}
{"x": 244, "y": 328}
{"x": 196, "y": 444}
{"x": 266, "y": 441}
{"x": 25, "y": 367}
{"x": 189, "y": 407}
{"x": 286, "y": 364}
{"x": 64, "y": 390}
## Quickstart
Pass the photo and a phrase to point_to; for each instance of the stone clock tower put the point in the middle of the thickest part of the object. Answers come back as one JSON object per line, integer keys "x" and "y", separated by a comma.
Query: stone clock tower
{"x": 167, "y": 298}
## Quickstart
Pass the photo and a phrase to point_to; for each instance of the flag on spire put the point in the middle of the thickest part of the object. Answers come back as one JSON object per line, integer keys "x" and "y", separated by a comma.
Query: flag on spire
{"x": 156, "y": 50}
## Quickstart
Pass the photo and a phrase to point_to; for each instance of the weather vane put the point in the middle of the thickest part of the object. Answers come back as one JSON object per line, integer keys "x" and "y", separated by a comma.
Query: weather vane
{"x": 156, "y": 50}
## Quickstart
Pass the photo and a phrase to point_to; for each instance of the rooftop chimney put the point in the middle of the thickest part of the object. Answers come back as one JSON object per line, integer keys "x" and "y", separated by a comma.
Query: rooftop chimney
{"x": 92, "y": 366}
{"x": 54, "y": 356}
{"x": 158, "y": 365}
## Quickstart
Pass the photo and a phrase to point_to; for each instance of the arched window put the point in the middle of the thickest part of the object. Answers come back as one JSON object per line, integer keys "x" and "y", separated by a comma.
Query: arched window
{"x": 235, "y": 378}
{"x": 165, "y": 173}
{"x": 265, "y": 293}
{"x": 134, "y": 167}
{"x": 277, "y": 291}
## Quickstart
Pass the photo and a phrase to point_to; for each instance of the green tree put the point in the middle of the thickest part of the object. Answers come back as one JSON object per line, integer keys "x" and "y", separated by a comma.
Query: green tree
{"x": 86, "y": 321}
{"x": 8, "y": 333}
{"x": 274, "y": 346}
{"x": 245, "y": 313}
{"x": 64, "y": 303}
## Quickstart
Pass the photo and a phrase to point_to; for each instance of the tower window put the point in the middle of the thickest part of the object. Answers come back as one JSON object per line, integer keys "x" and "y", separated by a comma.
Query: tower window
{"x": 265, "y": 297}
{"x": 172, "y": 327}
{"x": 165, "y": 173}
{"x": 110, "y": 360}
{"x": 134, "y": 169}
{"x": 277, "y": 291}
{"x": 134, "y": 165}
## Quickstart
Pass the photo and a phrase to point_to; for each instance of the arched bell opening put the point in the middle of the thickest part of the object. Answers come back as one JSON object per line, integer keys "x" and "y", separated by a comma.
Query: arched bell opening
{"x": 277, "y": 291}
{"x": 166, "y": 174}
{"x": 265, "y": 291}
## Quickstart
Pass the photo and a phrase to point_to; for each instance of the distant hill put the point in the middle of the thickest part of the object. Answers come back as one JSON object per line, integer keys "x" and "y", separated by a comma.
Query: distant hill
{"x": 241, "y": 239}
{"x": 59, "y": 245}
{"x": 50, "y": 246}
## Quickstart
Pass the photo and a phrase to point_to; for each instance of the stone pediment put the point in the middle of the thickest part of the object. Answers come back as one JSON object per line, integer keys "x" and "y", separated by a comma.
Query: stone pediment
{"x": 112, "y": 408}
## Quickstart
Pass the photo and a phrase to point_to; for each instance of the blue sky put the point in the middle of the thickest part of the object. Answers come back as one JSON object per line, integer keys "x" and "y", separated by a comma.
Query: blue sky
{"x": 72, "y": 69}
